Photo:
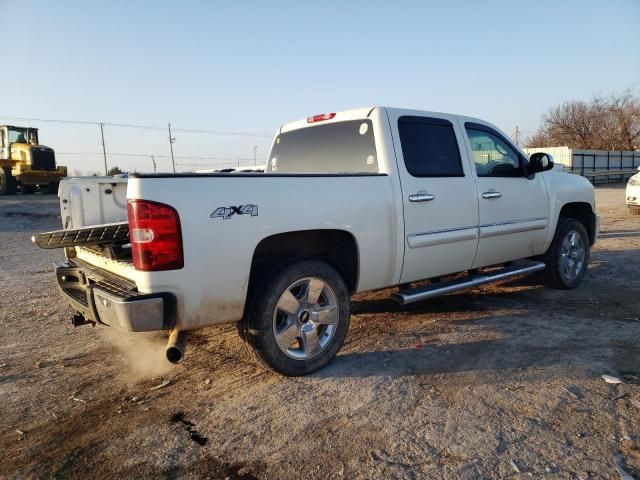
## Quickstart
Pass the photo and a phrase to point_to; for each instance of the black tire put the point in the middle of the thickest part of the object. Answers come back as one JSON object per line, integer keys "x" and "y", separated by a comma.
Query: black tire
{"x": 553, "y": 275}
{"x": 52, "y": 188}
{"x": 8, "y": 182}
{"x": 28, "y": 189}
{"x": 260, "y": 323}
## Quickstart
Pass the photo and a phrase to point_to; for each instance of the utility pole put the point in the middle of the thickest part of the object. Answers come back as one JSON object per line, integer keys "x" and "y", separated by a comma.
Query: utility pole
{"x": 238, "y": 160}
{"x": 154, "y": 163}
{"x": 172, "y": 140}
{"x": 517, "y": 136}
{"x": 255, "y": 161}
{"x": 104, "y": 150}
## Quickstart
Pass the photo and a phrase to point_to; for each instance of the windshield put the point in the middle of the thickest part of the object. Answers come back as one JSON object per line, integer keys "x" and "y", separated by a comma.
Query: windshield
{"x": 344, "y": 147}
{"x": 23, "y": 135}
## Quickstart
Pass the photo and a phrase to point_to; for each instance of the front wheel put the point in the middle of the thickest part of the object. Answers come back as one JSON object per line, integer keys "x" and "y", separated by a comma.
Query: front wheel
{"x": 568, "y": 256}
{"x": 7, "y": 181}
{"x": 299, "y": 318}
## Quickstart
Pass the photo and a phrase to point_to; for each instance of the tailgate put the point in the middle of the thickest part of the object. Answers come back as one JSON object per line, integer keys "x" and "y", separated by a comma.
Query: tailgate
{"x": 87, "y": 201}
{"x": 113, "y": 233}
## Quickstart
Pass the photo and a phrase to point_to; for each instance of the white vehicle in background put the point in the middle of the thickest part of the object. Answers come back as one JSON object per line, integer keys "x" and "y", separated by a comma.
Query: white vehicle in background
{"x": 359, "y": 200}
{"x": 633, "y": 194}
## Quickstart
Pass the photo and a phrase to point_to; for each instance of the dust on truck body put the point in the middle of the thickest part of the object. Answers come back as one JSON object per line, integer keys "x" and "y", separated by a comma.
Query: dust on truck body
{"x": 349, "y": 202}
{"x": 26, "y": 163}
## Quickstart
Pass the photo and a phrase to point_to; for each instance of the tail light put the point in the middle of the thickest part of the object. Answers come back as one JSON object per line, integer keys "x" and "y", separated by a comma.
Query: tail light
{"x": 155, "y": 235}
{"x": 321, "y": 117}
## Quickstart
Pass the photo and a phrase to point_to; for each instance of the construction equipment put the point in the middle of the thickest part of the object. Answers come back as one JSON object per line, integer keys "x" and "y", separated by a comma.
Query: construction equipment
{"x": 25, "y": 163}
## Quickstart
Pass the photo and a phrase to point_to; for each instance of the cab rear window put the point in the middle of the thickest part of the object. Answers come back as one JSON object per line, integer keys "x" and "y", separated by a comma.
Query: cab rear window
{"x": 344, "y": 147}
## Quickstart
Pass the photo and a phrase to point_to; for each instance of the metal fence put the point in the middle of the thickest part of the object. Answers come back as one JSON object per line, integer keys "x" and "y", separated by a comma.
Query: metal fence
{"x": 605, "y": 167}
{"x": 599, "y": 166}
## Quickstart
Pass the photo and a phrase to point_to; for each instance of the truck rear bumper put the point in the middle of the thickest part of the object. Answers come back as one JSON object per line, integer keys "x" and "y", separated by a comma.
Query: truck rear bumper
{"x": 104, "y": 298}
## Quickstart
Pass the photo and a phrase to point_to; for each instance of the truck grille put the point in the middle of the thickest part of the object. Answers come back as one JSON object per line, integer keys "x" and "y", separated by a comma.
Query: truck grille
{"x": 111, "y": 233}
{"x": 42, "y": 159}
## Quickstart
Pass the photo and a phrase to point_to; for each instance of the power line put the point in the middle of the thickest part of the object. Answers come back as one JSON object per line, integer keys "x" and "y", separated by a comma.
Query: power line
{"x": 212, "y": 164}
{"x": 217, "y": 132}
{"x": 129, "y": 125}
{"x": 124, "y": 154}
{"x": 146, "y": 127}
{"x": 25, "y": 119}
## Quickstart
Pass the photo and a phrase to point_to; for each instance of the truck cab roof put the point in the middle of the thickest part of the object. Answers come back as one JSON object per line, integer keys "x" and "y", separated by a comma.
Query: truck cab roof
{"x": 364, "y": 112}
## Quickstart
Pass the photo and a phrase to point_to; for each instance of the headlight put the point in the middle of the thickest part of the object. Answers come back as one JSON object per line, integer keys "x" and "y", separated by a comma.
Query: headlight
{"x": 634, "y": 181}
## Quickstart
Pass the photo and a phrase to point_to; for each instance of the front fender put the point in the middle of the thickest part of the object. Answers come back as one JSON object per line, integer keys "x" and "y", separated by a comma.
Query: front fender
{"x": 563, "y": 189}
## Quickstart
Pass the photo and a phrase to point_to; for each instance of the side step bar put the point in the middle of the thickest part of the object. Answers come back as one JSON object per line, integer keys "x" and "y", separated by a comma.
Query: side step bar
{"x": 526, "y": 267}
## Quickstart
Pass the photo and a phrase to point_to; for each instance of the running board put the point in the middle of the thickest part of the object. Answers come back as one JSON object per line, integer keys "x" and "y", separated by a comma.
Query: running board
{"x": 526, "y": 267}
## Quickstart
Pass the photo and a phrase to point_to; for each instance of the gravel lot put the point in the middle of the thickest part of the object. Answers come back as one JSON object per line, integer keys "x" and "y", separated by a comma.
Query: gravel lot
{"x": 500, "y": 381}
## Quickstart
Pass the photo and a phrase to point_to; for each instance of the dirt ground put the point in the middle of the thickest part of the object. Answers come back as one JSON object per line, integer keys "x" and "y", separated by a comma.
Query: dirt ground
{"x": 497, "y": 382}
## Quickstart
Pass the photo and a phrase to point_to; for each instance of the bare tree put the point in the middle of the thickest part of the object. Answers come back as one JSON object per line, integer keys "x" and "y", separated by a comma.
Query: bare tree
{"x": 604, "y": 123}
{"x": 626, "y": 111}
{"x": 115, "y": 171}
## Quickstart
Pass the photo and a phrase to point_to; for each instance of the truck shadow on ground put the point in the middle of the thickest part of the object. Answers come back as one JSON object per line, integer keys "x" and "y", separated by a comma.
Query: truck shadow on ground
{"x": 618, "y": 234}
{"x": 542, "y": 348}
{"x": 524, "y": 292}
{"x": 475, "y": 300}
{"x": 514, "y": 325}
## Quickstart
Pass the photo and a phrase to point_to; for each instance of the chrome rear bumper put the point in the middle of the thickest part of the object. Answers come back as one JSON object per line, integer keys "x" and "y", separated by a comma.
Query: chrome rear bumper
{"x": 105, "y": 298}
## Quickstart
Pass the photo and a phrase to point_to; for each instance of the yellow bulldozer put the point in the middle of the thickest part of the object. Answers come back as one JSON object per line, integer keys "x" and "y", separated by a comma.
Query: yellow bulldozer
{"x": 26, "y": 164}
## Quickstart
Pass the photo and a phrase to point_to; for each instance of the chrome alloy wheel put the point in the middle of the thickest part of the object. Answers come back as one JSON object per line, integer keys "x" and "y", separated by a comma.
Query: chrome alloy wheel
{"x": 572, "y": 255}
{"x": 305, "y": 318}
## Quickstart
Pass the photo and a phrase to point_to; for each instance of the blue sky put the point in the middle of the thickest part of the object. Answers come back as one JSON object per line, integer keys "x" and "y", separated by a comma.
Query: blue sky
{"x": 251, "y": 66}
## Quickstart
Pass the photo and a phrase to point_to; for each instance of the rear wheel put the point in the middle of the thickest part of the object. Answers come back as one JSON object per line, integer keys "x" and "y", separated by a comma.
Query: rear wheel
{"x": 568, "y": 256}
{"x": 7, "y": 182}
{"x": 299, "y": 318}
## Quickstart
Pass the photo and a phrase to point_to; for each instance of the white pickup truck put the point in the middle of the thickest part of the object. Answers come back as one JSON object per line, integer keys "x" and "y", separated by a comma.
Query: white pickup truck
{"x": 633, "y": 194}
{"x": 348, "y": 202}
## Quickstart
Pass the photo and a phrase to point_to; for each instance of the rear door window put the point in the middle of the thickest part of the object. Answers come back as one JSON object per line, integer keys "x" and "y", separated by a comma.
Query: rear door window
{"x": 343, "y": 147}
{"x": 429, "y": 147}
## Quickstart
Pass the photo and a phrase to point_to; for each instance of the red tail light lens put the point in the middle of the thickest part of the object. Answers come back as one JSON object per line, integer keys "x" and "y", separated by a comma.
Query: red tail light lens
{"x": 156, "y": 238}
{"x": 321, "y": 117}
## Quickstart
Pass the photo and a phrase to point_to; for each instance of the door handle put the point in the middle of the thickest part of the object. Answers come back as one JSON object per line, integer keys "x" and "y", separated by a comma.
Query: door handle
{"x": 421, "y": 197}
{"x": 490, "y": 195}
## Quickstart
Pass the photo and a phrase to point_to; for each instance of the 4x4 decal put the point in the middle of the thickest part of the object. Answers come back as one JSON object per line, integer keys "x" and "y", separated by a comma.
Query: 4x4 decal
{"x": 228, "y": 212}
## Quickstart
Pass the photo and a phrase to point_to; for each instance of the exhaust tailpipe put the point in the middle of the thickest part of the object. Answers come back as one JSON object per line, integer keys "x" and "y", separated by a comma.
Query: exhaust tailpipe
{"x": 175, "y": 346}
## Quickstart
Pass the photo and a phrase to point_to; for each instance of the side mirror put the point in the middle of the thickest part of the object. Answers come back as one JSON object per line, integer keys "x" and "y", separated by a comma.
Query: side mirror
{"x": 540, "y": 162}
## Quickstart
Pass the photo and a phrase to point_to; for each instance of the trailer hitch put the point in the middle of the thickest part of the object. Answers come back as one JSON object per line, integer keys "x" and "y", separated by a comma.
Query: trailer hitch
{"x": 78, "y": 320}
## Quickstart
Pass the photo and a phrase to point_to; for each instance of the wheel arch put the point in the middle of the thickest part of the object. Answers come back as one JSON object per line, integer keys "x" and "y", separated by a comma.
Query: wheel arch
{"x": 338, "y": 247}
{"x": 582, "y": 212}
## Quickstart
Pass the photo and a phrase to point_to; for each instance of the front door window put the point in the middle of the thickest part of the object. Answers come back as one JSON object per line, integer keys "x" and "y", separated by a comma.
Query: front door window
{"x": 492, "y": 156}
